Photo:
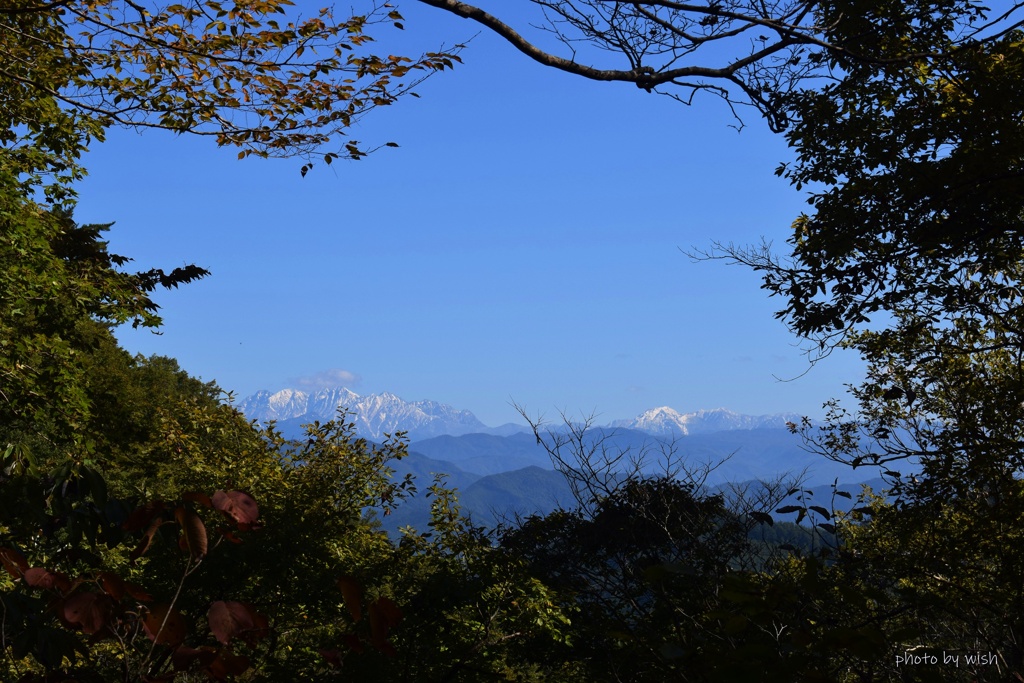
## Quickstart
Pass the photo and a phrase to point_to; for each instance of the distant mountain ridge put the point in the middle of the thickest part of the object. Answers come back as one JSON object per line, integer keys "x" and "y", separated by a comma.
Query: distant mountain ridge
{"x": 665, "y": 421}
{"x": 378, "y": 414}
{"x": 375, "y": 414}
{"x": 504, "y": 472}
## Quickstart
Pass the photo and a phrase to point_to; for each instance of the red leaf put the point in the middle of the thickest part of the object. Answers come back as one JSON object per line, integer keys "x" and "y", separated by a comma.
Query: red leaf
{"x": 113, "y": 585}
{"x": 141, "y": 517}
{"x": 116, "y": 587}
{"x": 184, "y": 657}
{"x": 165, "y": 626}
{"x": 230, "y": 536}
{"x": 388, "y": 611}
{"x": 39, "y": 577}
{"x": 230, "y": 619}
{"x": 227, "y": 664}
{"x": 89, "y": 612}
{"x": 238, "y": 506}
{"x": 14, "y": 562}
{"x": 384, "y": 614}
{"x": 353, "y": 594}
{"x": 353, "y": 642}
{"x": 200, "y": 498}
{"x": 137, "y": 592}
{"x": 193, "y": 532}
{"x": 147, "y": 540}
{"x": 333, "y": 657}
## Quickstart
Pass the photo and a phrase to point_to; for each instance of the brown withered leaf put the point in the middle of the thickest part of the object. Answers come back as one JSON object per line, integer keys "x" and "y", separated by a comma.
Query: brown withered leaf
{"x": 193, "y": 531}
{"x": 116, "y": 587}
{"x": 353, "y": 642}
{"x": 164, "y": 625}
{"x": 353, "y": 594}
{"x": 387, "y": 610}
{"x": 14, "y": 562}
{"x": 229, "y": 535}
{"x": 137, "y": 592}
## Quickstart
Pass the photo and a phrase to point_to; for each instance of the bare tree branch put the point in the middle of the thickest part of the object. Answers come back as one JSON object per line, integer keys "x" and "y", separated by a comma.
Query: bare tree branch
{"x": 762, "y": 51}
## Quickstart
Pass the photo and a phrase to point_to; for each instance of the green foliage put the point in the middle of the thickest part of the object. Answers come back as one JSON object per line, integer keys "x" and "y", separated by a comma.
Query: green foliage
{"x": 312, "y": 576}
{"x": 768, "y": 540}
{"x": 640, "y": 570}
{"x": 943, "y": 577}
{"x": 248, "y": 75}
{"x": 942, "y": 258}
{"x": 916, "y": 178}
{"x": 912, "y": 258}
{"x": 57, "y": 281}
{"x": 88, "y": 433}
{"x": 149, "y": 532}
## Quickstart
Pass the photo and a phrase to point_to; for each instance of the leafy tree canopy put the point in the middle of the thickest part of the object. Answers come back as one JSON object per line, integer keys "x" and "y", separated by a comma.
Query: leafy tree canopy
{"x": 58, "y": 283}
{"x": 905, "y": 117}
{"x": 749, "y": 53}
{"x": 254, "y": 75}
{"x": 917, "y": 175}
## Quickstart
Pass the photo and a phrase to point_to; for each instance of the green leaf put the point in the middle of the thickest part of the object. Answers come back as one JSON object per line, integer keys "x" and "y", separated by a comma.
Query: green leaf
{"x": 821, "y": 511}
{"x": 763, "y": 518}
{"x": 97, "y": 485}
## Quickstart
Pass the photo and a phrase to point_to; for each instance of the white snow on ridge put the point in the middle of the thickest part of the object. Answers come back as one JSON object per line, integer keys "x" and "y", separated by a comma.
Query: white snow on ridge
{"x": 375, "y": 414}
{"x": 665, "y": 421}
{"x": 378, "y": 414}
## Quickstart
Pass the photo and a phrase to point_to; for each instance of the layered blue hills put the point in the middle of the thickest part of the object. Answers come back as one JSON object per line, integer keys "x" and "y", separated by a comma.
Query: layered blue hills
{"x": 505, "y": 472}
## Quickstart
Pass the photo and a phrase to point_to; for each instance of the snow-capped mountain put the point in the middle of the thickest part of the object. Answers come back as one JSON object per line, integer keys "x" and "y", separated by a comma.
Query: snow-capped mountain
{"x": 665, "y": 421}
{"x": 385, "y": 413}
{"x": 374, "y": 414}
{"x": 290, "y": 403}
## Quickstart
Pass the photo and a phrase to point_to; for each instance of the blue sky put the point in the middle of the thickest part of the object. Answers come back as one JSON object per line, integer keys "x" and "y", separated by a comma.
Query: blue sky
{"x": 522, "y": 244}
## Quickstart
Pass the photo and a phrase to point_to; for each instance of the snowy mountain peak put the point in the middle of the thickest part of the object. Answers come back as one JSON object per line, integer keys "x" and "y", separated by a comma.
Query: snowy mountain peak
{"x": 662, "y": 414}
{"x": 385, "y": 413}
{"x": 375, "y": 414}
{"x": 290, "y": 403}
{"x": 665, "y": 421}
